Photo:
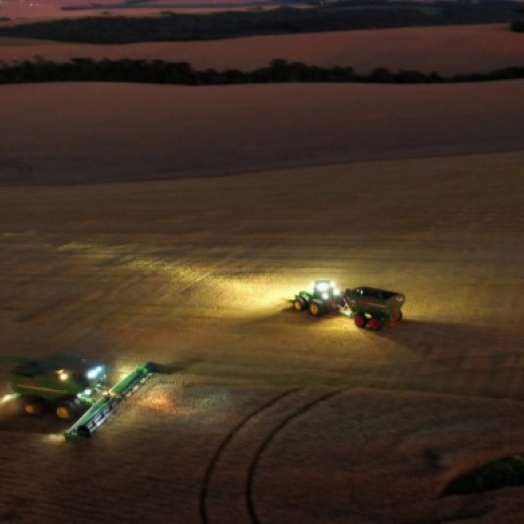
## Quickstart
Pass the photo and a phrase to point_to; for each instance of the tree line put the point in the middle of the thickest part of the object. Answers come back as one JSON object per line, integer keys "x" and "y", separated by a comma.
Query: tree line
{"x": 337, "y": 16}
{"x": 182, "y": 73}
{"x": 518, "y": 24}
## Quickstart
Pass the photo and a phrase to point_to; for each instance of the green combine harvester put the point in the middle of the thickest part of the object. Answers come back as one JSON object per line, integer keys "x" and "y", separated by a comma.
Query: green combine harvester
{"x": 67, "y": 385}
{"x": 369, "y": 307}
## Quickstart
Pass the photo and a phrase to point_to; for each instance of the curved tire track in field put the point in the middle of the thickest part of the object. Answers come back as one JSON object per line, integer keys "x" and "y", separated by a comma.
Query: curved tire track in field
{"x": 251, "y": 508}
{"x": 234, "y": 493}
{"x": 204, "y": 491}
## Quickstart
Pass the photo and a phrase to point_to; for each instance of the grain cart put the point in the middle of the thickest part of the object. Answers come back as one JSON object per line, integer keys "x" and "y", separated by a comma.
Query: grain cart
{"x": 322, "y": 297}
{"x": 67, "y": 385}
{"x": 372, "y": 307}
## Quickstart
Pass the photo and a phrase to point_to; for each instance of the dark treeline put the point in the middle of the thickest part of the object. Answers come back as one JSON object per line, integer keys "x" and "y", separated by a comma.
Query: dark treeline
{"x": 518, "y": 24}
{"x": 279, "y": 70}
{"x": 340, "y": 16}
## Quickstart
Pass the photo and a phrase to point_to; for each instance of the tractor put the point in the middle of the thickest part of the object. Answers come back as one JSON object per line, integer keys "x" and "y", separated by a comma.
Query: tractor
{"x": 369, "y": 307}
{"x": 322, "y": 297}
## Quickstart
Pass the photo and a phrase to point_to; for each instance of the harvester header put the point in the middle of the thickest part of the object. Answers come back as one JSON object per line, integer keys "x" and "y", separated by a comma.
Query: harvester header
{"x": 106, "y": 405}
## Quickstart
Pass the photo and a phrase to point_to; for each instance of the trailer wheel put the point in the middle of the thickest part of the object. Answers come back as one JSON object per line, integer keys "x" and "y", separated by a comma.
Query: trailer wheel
{"x": 299, "y": 304}
{"x": 360, "y": 320}
{"x": 396, "y": 315}
{"x": 67, "y": 410}
{"x": 316, "y": 308}
{"x": 33, "y": 407}
{"x": 375, "y": 324}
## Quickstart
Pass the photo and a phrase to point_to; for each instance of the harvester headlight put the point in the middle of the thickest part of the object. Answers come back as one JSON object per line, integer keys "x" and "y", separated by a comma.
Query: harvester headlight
{"x": 63, "y": 375}
{"x": 8, "y": 398}
{"x": 94, "y": 373}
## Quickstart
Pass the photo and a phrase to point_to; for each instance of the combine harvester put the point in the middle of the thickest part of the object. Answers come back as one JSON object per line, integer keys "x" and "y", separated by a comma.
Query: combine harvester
{"x": 65, "y": 384}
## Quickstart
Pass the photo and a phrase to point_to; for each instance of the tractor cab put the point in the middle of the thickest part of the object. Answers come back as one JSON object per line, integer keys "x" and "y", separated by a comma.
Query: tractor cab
{"x": 325, "y": 290}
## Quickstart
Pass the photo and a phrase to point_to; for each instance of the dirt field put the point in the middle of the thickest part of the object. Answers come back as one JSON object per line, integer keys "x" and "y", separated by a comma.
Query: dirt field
{"x": 267, "y": 416}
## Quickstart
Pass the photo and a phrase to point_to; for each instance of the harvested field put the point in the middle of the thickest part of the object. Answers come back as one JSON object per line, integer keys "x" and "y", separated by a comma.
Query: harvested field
{"x": 116, "y": 244}
{"x": 97, "y": 133}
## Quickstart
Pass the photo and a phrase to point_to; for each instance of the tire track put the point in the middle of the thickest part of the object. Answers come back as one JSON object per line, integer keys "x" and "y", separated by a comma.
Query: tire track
{"x": 204, "y": 492}
{"x": 235, "y": 488}
{"x": 250, "y": 504}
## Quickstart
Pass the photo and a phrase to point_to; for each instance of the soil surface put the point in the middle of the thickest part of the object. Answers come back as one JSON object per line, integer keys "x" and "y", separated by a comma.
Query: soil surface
{"x": 116, "y": 243}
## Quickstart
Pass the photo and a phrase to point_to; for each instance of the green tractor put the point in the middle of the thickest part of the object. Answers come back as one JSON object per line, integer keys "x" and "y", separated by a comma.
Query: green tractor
{"x": 64, "y": 383}
{"x": 322, "y": 297}
{"x": 369, "y": 307}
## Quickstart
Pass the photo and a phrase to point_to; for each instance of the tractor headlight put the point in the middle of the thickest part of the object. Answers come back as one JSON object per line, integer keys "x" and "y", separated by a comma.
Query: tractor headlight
{"x": 324, "y": 296}
{"x": 323, "y": 286}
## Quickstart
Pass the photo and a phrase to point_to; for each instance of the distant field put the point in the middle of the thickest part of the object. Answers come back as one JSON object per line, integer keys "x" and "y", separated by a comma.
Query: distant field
{"x": 234, "y": 24}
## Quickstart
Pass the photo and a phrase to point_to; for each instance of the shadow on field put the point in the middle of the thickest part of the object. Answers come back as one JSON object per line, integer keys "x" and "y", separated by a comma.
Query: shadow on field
{"x": 461, "y": 358}
{"x": 423, "y": 337}
{"x": 289, "y": 312}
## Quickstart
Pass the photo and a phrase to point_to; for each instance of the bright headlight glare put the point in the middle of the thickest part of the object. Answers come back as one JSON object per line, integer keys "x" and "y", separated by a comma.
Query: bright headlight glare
{"x": 93, "y": 373}
{"x": 323, "y": 286}
{"x": 8, "y": 397}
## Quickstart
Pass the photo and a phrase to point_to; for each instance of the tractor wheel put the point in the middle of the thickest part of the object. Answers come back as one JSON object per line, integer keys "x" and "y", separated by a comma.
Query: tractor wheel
{"x": 299, "y": 304}
{"x": 375, "y": 324}
{"x": 33, "y": 407}
{"x": 67, "y": 409}
{"x": 360, "y": 320}
{"x": 316, "y": 308}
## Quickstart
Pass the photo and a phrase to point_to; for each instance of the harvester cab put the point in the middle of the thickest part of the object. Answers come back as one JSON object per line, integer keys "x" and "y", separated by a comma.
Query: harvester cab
{"x": 322, "y": 297}
{"x": 73, "y": 389}
{"x": 64, "y": 382}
